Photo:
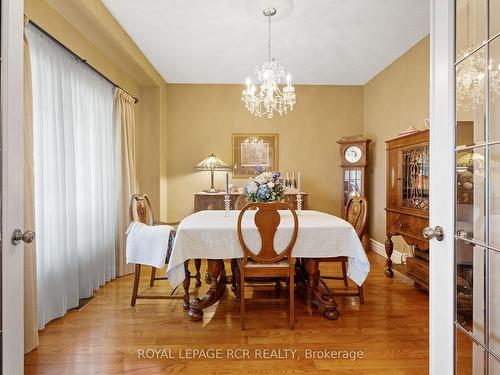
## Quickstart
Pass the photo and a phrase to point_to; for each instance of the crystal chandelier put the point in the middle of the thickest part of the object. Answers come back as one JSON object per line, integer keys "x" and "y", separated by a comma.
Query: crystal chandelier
{"x": 270, "y": 74}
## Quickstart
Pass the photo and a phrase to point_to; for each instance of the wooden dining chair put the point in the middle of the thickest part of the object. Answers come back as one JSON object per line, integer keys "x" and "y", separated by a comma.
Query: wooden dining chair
{"x": 140, "y": 209}
{"x": 356, "y": 214}
{"x": 267, "y": 263}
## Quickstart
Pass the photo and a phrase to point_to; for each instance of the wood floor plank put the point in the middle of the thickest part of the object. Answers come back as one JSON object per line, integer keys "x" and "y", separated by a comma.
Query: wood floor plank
{"x": 106, "y": 336}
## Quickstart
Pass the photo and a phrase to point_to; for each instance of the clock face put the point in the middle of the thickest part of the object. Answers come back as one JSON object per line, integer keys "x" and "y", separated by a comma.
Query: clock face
{"x": 352, "y": 154}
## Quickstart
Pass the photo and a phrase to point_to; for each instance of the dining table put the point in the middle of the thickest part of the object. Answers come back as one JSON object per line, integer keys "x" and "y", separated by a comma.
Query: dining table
{"x": 212, "y": 235}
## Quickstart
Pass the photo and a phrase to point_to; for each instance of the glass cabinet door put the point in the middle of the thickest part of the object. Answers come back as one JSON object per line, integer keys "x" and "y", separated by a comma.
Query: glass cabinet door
{"x": 352, "y": 184}
{"x": 415, "y": 177}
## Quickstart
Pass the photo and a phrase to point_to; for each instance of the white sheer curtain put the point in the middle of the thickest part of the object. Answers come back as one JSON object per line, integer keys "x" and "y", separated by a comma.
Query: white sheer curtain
{"x": 77, "y": 177}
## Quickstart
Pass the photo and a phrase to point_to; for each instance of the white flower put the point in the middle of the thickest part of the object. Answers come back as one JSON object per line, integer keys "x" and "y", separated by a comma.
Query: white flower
{"x": 251, "y": 187}
{"x": 264, "y": 178}
{"x": 270, "y": 185}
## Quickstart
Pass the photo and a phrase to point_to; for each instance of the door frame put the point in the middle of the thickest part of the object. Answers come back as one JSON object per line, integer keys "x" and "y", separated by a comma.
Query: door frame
{"x": 442, "y": 189}
{"x": 12, "y": 116}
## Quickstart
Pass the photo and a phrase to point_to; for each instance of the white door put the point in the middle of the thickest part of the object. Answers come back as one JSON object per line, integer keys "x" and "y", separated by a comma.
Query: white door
{"x": 465, "y": 187}
{"x": 11, "y": 186}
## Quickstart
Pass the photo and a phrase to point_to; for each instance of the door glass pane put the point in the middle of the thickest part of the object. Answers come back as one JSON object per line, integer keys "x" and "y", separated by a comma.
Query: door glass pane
{"x": 494, "y": 72}
{"x": 494, "y": 275}
{"x": 470, "y": 267}
{"x": 470, "y": 210}
{"x": 495, "y": 196}
{"x": 494, "y": 19}
{"x": 470, "y": 97}
{"x": 494, "y": 366}
{"x": 470, "y": 357}
{"x": 470, "y": 25}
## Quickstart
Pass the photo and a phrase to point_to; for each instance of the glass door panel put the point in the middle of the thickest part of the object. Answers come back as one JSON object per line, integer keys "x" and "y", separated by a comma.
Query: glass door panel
{"x": 477, "y": 205}
{"x": 470, "y": 194}
{"x": 494, "y": 303}
{"x": 494, "y": 21}
{"x": 470, "y": 288}
{"x": 470, "y": 25}
{"x": 470, "y": 357}
{"x": 494, "y": 88}
{"x": 470, "y": 99}
{"x": 494, "y": 198}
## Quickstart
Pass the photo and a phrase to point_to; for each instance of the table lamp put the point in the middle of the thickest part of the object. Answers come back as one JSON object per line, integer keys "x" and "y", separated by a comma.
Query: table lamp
{"x": 212, "y": 164}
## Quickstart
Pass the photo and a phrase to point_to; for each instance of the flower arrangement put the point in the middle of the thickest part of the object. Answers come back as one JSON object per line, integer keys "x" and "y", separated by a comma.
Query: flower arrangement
{"x": 266, "y": 187}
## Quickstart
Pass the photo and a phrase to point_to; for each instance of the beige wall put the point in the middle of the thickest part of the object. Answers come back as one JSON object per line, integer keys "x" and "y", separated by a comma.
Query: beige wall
{"x": 89, "y": 30}
{"x": 392, "y": 101}
{"x": 201, "y": 119}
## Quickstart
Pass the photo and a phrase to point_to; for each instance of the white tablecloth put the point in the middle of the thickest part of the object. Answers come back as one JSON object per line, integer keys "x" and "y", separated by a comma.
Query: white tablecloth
{"x": 212, "y": 235}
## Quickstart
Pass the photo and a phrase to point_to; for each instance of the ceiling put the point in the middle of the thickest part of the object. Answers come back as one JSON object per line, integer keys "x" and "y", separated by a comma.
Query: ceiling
{"x": 324, "y": 42}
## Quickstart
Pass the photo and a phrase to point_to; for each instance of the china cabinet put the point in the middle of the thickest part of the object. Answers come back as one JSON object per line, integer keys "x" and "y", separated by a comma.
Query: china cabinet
{"x": 407, "y": 208}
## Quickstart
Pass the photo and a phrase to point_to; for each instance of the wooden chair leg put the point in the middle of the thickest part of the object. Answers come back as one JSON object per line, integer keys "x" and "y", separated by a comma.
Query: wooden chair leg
{"x": 344, "y": 274}
{"x": 242, "y": 299}
{"x": 361, "y": 295}
{"x": 153, "y": 276}
{"x": 137, "y": 276}
{"x": 291, "y": 301}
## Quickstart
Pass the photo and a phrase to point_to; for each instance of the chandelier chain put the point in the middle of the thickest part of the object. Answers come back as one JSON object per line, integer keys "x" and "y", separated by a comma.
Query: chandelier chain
{"x": 269, "y": 40}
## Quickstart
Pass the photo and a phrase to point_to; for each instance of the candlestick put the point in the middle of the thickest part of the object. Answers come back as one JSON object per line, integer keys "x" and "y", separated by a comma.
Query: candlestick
{"x": 227, "y": 183}
{"x": 227, "y": 204}
{"x": 298, "y": 182}
{"x": 299, "y": 204}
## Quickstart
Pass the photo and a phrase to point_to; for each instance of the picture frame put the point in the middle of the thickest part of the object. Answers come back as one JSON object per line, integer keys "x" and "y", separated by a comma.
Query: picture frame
{"x": 251, "y": 151}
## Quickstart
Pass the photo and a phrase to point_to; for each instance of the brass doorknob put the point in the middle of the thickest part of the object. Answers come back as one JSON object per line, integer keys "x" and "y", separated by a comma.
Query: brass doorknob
{"x": 436, "y": 233}
{"x": 18, "y": 236}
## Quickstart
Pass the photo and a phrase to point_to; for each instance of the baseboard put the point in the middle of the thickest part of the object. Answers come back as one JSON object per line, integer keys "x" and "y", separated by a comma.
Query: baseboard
{"x": 379, "y": 248}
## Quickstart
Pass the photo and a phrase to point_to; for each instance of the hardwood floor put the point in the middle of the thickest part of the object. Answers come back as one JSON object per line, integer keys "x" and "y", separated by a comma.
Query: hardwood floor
{"x": 109, "y": 337}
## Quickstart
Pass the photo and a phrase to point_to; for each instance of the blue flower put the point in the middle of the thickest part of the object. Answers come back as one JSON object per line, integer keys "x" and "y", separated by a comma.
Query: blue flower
{"x": 259, "y": 169}
{"x": 263, "y": 193}
{"x": 276, "y": 175}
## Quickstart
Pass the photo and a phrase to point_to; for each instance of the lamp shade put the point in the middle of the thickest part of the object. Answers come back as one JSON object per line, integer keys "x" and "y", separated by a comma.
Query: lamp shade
{"x": 212, "y": 163}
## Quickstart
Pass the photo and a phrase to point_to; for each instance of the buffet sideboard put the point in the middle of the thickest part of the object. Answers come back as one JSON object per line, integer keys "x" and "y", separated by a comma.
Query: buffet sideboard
{"x": 215, "y": 201}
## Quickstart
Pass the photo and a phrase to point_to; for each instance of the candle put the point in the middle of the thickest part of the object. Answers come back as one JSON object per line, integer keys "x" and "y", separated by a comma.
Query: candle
{"x": 227, "y": 183}
{"x": 298, "y": 182}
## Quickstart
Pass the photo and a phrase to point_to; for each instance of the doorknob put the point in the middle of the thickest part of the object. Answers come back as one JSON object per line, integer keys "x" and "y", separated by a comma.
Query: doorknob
{"x": 437, "y": 233}
{"x": 18, "y": 236}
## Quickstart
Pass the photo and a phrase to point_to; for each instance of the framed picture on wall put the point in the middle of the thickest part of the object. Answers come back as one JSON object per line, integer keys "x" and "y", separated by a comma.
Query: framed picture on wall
{"x": 251, "y": 151}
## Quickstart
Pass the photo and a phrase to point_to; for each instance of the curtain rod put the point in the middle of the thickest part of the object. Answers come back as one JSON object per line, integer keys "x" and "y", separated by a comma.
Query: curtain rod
{"x": 83, "y": 61}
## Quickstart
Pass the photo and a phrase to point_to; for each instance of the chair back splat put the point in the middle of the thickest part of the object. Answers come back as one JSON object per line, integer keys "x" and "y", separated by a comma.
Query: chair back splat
{"x": 356, "y": 214}
{"x": 267, "y": 219}
{"x": 140, "y": 208}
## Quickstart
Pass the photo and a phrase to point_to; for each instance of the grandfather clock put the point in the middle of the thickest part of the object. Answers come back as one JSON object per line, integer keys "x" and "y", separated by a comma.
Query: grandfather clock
{"x": 354, "y": 163}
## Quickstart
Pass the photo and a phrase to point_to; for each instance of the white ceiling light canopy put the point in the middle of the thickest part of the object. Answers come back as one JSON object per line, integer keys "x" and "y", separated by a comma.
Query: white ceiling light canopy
{"x": 283, "y": 9}
{"x": 270, "y": 98}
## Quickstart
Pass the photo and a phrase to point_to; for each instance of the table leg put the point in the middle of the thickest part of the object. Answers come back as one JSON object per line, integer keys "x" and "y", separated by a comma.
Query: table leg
{"x": 235, "y": 279}
{"x": 217, "y": 288}
{"x": 325, "y": 303}
{"x": 185, "y": 285}
{"x": 389, "y": 247}
{"x": 197, "y": 266}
